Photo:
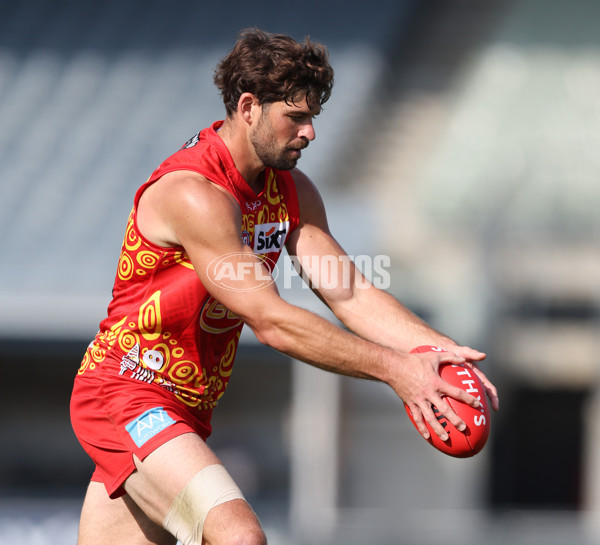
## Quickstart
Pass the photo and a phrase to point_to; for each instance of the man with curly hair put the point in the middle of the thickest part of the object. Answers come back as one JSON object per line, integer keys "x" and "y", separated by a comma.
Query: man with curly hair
{"x": 200, "y": 244}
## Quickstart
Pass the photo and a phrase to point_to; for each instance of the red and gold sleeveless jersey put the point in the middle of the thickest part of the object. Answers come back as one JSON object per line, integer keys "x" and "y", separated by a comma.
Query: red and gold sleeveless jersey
{"x": 163, "y": 326}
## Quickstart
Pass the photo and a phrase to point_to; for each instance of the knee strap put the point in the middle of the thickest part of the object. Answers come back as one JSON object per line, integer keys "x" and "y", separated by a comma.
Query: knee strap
{"x": 210, "y": 487}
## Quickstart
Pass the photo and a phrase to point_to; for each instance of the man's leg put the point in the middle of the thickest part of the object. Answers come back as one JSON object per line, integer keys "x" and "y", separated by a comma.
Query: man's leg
{"x": 137, "y": 517}
{"x": 163, "y": 477}
{"x": 118, "y": 521}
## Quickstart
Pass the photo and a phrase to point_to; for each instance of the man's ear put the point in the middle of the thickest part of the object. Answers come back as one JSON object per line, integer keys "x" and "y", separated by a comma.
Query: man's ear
{"x": 247, "y": 107}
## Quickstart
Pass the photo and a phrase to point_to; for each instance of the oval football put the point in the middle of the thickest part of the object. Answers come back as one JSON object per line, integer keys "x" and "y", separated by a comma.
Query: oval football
{"x": 473, "y": 439}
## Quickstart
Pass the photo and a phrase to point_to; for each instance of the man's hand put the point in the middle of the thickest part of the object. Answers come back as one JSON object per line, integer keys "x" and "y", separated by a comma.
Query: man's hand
{"x": 420, "y": 386}
{"x": 472, "y": 357}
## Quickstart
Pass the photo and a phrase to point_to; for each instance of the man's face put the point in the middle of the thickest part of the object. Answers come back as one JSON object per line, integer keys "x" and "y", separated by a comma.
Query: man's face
{"x": 281, "y": 131}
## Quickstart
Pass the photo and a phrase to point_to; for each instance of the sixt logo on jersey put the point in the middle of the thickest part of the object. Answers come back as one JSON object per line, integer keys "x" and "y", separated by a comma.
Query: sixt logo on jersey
{"x": 148, "y": 424}
{"x": 270, "y": 237}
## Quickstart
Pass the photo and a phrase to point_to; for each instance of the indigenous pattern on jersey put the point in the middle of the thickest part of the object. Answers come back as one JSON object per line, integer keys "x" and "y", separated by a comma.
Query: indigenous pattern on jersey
{"x": 163, "y": 326}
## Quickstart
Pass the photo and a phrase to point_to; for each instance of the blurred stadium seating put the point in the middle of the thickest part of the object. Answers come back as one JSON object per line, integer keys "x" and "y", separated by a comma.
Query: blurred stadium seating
{"x": 94, "y": 96}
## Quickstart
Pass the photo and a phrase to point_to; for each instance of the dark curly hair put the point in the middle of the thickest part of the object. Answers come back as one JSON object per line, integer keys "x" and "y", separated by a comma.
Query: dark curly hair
{"x": 274, "y": 67}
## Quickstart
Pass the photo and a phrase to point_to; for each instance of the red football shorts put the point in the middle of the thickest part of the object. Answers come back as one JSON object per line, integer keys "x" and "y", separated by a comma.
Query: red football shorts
{"x": 119, "y": 417}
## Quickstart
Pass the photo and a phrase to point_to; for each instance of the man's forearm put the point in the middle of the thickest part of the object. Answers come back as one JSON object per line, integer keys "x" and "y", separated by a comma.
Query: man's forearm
{"x": 378, "y": 317}
{"x": 308, "y": 337}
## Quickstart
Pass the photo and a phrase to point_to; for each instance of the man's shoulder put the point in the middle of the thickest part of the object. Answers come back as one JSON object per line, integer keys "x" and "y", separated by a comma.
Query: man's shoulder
{"x": 183, "y": 184}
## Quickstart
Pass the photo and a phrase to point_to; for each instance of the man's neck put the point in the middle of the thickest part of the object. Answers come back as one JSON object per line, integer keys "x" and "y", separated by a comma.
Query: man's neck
{"x": 242, "y": 153}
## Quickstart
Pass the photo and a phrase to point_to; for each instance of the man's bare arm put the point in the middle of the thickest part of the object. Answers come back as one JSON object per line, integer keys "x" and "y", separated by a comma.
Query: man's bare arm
{"x": 184, "y": 209}
{"x": 366, "y": 310}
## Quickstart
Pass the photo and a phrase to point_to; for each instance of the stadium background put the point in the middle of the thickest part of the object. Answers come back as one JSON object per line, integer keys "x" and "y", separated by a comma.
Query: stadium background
{"x": 461, "y": 140}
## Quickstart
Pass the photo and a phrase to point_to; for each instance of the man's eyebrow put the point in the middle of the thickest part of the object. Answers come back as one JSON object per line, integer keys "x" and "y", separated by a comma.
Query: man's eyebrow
{"x": 303, "y": 111}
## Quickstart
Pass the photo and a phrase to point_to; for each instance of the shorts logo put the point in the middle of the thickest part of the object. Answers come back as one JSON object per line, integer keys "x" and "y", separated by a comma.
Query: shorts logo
{"x": 270, "y": 237}
{"x": 148, "y": 424}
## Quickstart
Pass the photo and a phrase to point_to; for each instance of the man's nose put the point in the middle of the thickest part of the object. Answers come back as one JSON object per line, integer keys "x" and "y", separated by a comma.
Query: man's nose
{"x": 307, "y": 131}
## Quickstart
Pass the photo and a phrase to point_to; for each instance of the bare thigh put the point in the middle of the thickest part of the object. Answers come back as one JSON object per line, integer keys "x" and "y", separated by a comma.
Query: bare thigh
{"x": 164, "y": 473}
{"x": 117, "y": 521}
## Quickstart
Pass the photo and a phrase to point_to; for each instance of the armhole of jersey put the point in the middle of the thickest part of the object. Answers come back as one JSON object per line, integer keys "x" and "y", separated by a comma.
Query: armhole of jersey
{"x": 158, "y": 175}
{"x": 148, "y": 243}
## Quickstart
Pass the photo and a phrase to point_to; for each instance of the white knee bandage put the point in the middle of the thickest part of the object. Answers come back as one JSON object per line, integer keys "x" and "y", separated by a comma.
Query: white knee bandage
{"x": 210, "y": 487}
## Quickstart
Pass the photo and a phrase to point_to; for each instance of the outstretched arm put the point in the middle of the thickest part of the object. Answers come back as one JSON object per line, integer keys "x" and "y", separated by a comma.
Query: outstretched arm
{"x": 366, "y": 310}
{"x": 185, "y": 209}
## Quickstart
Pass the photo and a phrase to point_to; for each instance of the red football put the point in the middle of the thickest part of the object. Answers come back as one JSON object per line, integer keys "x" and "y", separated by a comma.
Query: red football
{"x": 473, "y": 439}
